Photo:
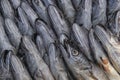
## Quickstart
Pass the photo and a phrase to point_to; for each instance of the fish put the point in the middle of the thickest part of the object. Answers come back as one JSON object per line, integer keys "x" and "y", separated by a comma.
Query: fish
{"x": 110, "y": 46}
{"x": 18, "y": 69}
{"x": 41, "y": 10}
{"x": 47, "y": 37}
{"x": 15, "y": 3}
{"x": 81, "y": 39}
{"x": 99, "y": 8}
{"x": 80, "y": 67}
{"x": 12, "y": 32}
{"x": 5, "y": 72}
{"x": 67, "y": 9}
{"x": 56, "y": 63}
{"x": 23, "y": 23}
{"x": 31, "y": 14}
{"x": 7, "y": 9}
{"x": 36, "y": 65}
{"x": 59, "y": 24}
{"x": 43, "y": 30}
{"x": 83, "y": 16}
{"x": 41, "y": 47}
{"x": 4, "y": 41}
{"x": 101, "y": 57}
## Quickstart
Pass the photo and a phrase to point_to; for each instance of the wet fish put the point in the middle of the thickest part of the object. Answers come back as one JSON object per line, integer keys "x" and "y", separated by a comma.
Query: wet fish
{"x": 56, "y": 63}
{"x": 59, "y": 24}
{"x": 23, "y": 23}
{"x": 15, "y": 3}
{"x": 5, "y": 44}
{"x": 41, "y": 10}
{"x": 111, "y": 47}
{"x": 37, "y": 67}
{"x": 41, "y": 47}
{"x": 84, "y": 14}
{"x": 42, "y": 30}
{"x": 47, "y": 37}
{"x": 31, "y": 14}
{"x": 81, "y": 38}
{"x": 79, "y": 65}
{"x": 101, "y": 58}
{"x": 49, "y": 2}
{"x": 67, "y": 9}
{"x": 18, "y": 70}
{"x": 7, "y": 9}
{"x": 5, "y": 73}
{"x": 99, "y": 12}
{"x": 12, "y": 32}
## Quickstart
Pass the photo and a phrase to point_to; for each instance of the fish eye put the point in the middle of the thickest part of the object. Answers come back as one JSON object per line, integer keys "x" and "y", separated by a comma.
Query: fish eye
{"x": 75, "y": 52}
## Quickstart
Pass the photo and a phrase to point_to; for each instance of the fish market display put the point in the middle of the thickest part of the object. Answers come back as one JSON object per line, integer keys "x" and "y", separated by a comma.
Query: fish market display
{"x": 59, "y": 39}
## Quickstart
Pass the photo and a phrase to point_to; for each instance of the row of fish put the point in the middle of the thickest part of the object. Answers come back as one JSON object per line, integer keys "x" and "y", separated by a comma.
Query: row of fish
{"x": 59, "y": 40}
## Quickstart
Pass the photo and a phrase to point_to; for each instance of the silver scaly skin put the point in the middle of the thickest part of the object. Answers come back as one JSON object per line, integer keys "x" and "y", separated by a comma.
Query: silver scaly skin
{"x": 110, "y": 46}
{"x": 101, "y": 57}
{"x": 7, "y": 9}
{"x": 81, "y": 38}
{"x": 79, "y": 65}
{"x": 36, "y": 65}
{"x": 67, "y": 9}
{"x": 12, "y": 32}
{"x": 18, "y": 70}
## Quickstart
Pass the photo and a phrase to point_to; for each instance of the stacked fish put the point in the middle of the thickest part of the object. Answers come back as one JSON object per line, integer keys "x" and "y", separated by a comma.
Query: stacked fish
{"x": 59, "y": 40}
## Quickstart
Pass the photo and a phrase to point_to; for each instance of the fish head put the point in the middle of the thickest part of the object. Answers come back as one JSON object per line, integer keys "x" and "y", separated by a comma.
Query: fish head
{"x": 73, "y": 56}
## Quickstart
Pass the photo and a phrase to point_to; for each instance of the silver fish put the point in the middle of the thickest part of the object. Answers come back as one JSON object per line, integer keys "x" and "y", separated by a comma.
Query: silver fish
{"x": 41, "y": 47}
{"x": 111, "y": 47}
{"x": 44, "y": 32}
{"x": 56, "y": 63}
{"x": 84, "y": 14}
{"x": 59, "y": 24}
{"x": 80, "y": 67}
{"x": 5, "y": 72}
{"x": 5, "y": 44}
{"x": 24, "y": 25}
{"x": 31, "y": 14}
{"x": 12, "y": 32}
{"x": 82, "y": 40}
{"x": 49, "y": 2}
{"x": 18, "y": 70}
{"x": 37, "y": 67}
{"x": 15, "y": 3}
{"x": 7, "y": 9}
{"x": 101, "y": 58}
{"x": 99, "y": 12}
{"x": 41, "y": 10}
{"x": 68, "y": 9}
